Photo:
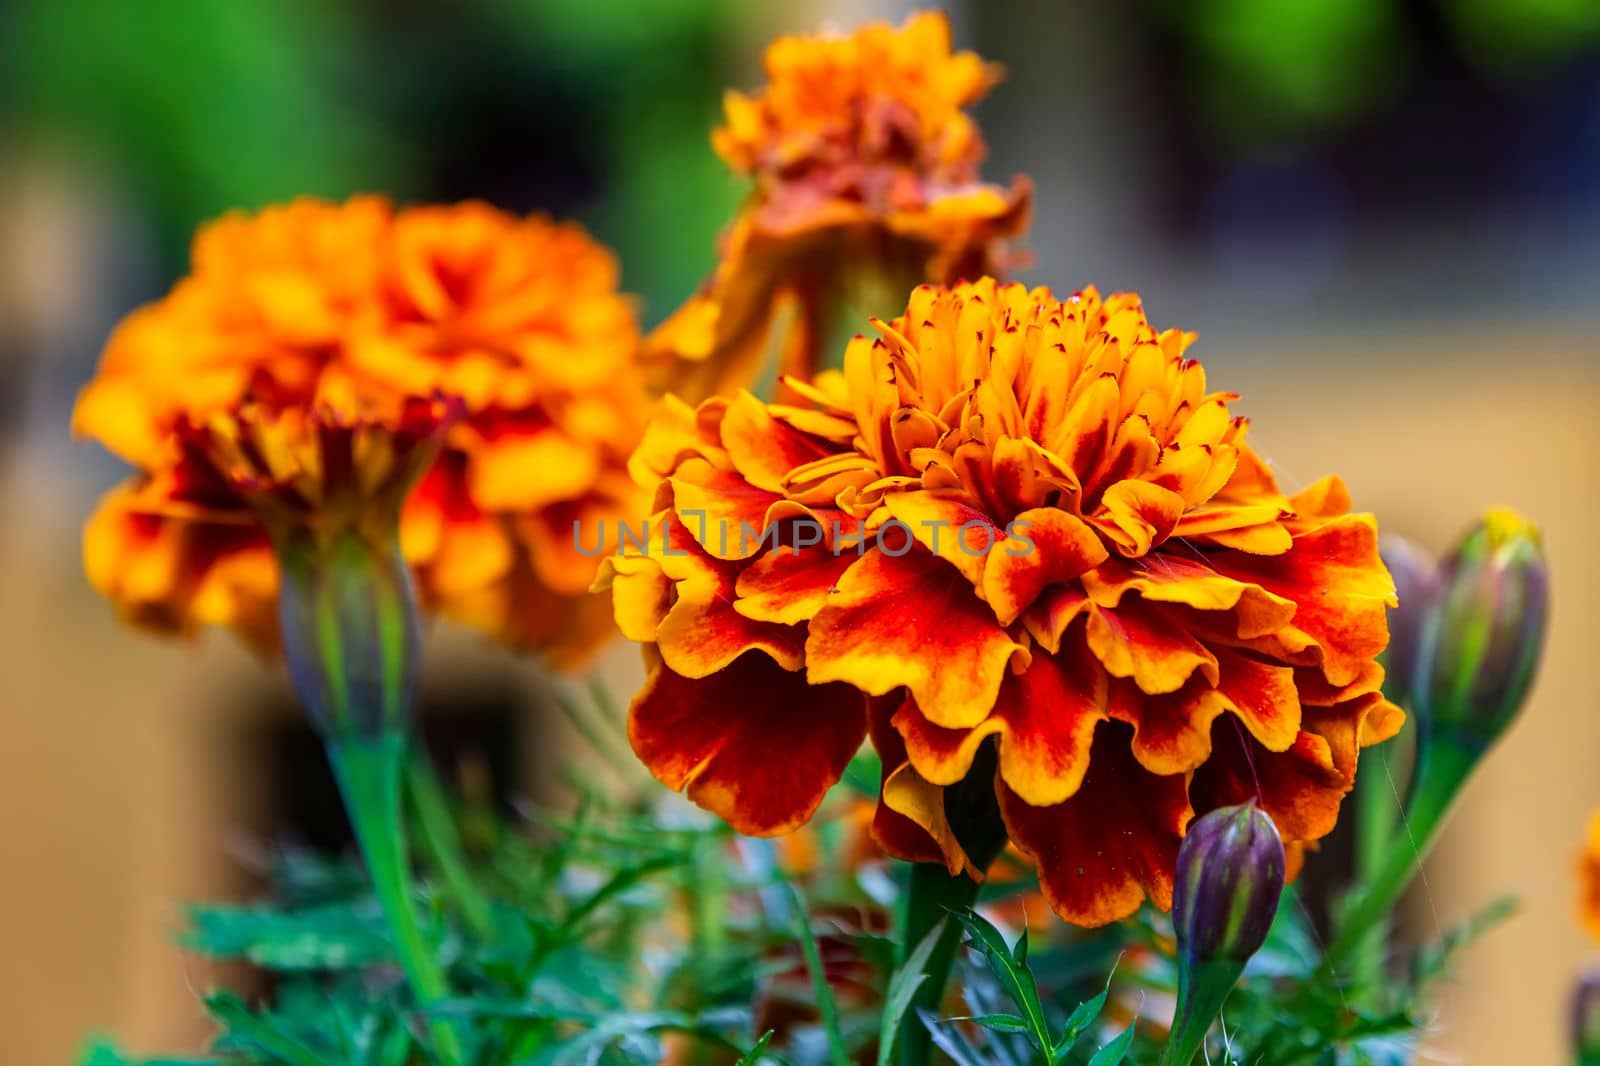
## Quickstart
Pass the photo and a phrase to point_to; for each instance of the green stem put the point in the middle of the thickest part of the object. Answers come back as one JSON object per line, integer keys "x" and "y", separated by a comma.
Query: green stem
{"x": 1200, "y": 999}
{"x": 973, "y": 810}
{"x": 441, "y": 841}
{"x": 1375, "y": 806}
{"x": 1443, "y": 765}
{"x": 930, "y": 897}
{"x": 369, "y": 773}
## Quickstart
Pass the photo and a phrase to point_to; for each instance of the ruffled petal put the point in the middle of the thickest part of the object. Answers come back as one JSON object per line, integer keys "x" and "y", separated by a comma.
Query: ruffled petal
{"x": 1044, "y": 547}
{"x": 1113, "y": 844}
{"x": 912, "y": 620}
{"x": 764, "y": 774}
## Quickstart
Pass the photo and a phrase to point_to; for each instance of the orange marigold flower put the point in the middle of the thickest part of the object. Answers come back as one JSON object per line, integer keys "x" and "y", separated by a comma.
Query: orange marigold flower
{"x": 1017, "y": 518}
{"x": 1589, "y": 879}
{"x": 866, "y": 182}
{"x": 518, "y": 320}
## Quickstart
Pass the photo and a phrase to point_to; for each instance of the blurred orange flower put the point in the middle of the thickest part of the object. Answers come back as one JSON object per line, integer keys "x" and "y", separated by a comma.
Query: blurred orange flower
{"x": 1589, "y": 879}
{"x": 359, "y": 307}
{"x": 865, "y": 172}
{"x": 1010, "y": 517}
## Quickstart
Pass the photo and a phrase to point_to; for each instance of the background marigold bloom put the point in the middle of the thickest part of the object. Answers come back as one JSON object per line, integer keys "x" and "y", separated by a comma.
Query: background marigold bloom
{"x": 1017, "y": 518}
{"x": 866, "y": 182}
{"x": 1589, "y": 879}
{"x": 312, "y": 303}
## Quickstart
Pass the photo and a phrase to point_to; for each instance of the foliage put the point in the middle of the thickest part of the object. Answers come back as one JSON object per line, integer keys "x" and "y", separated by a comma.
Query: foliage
{"x": 622, "y": 935}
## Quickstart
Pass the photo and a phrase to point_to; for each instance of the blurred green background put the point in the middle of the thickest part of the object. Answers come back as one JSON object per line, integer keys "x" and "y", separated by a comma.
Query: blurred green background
{"x": 1390, "y": 205}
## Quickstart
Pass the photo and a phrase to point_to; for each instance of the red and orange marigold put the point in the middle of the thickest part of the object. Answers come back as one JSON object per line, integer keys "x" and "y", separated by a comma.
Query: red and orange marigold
{"x": 1010, "y": 517}
{"x": 362, "y": 309}
{"x": 1589, "y": 879}
{"x": 864, "y": 166}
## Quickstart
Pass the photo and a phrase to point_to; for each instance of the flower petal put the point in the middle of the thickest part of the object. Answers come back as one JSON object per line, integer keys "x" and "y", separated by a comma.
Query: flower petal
{"x": 1168, "y": 578}
{"x": 1045, "y": 546}
{"x": 1340, "y": 588}
{"x": 1137, "y": 515}
{"x": 1140, "y": 640}
{"x": 912, "y": 620}
{"x": 1113, "y": 844}
{"x": 764, "y": 774}
{"x": 703, "y": 632}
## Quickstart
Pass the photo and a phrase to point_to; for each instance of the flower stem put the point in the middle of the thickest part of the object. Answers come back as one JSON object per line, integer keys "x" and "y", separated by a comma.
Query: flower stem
{"x": 932, "y": 894}
{"x": 1200, "y": 998}
{"x": 369, "y": 773}
{"x": 441, "y": 840}
{"x": 1443, "y": 764}
{"x": 1375, "y": 802}
{"x": 974, "y": 814}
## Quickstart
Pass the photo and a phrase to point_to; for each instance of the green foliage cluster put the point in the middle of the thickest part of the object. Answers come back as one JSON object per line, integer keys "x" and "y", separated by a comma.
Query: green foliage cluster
{"x": 620, "y": 935}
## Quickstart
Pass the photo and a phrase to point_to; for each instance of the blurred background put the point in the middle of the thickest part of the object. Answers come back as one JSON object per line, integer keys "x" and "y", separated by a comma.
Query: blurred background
{"x": 1383, "y": 216}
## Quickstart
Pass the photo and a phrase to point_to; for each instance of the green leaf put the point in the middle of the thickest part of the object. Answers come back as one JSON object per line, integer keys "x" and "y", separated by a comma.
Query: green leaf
{"x": 1435, "y": 958}
{"x": 902, "y": 989}
{"x": 753, "y": 1056}
{"x": 614, "y": 886}
{"x": 1013, "y": 975}
{"x": 1115, "y": 1051}
{"x": 827, "y": 1008}
{"x": 951, "y": 1040}
{"x": 331, "y": 937}
{"x": 101, "y": 1053}
{"x": 999, "y": 1023}
{"x": 1082, "y": 1016}
{"x": 243, "y": 1027}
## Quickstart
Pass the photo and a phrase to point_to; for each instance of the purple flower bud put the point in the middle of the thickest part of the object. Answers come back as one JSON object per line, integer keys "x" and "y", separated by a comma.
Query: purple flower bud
{"x": 1416, "y": 577}
{"x": 1586, "y": 1019}
{"x": 1231, "y": 871}
{"x": 1484, "y": 631}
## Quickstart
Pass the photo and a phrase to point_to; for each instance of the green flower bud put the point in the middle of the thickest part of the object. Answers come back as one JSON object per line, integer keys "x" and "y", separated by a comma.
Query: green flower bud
{"x": 1484, "y": 631}
{"x": 1416, "y": 579}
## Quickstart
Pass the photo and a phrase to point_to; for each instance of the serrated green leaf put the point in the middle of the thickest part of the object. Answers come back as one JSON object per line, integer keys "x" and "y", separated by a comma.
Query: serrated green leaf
{"x": 1014, "y": 976}
{"x": 1115, "y": 1051}
{"x": 331, "y": 937}
{"x": 902, "y": 990}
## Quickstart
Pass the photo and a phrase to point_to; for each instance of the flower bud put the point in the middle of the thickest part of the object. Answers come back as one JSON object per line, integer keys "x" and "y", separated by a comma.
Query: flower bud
{"x": 1484, "y": 631}
{"x": 1416, "y": 577}
{"x": 1586, "y": 1020}
{"x": 1231, "y": 871}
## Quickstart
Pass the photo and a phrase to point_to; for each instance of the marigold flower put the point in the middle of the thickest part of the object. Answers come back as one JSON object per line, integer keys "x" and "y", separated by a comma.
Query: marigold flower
{"x": 865, "y": 177}
{"x": 312, "y": 303}
{"x": 1589, "y": 879}
{"x": 1009, "y": 517}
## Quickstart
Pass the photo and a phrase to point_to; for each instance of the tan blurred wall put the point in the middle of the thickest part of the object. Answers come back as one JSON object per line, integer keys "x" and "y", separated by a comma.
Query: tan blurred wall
{"x": 124, "y": 788}
{"x": 1428, "y": 429}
